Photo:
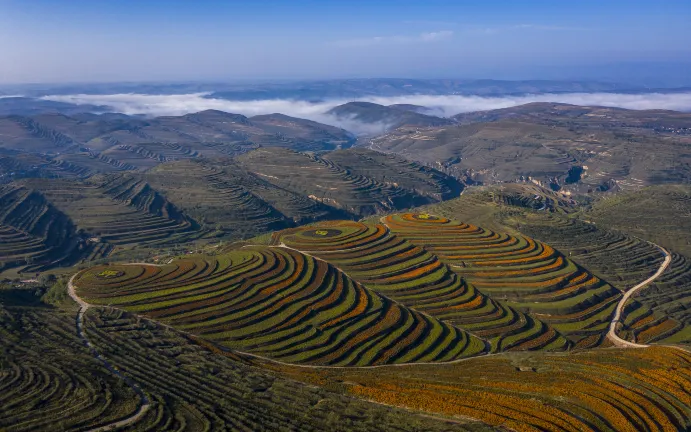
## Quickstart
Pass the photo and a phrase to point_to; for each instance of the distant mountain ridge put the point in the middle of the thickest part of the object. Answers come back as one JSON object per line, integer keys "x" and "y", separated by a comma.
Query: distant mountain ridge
{"x": 108, "y": 142}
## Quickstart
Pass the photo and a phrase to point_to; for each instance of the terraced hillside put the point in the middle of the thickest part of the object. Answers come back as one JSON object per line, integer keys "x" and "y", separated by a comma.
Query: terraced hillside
{"x": 489, "y": 152}
{"x": 278, "y": 303}
{"x": 117, "y": 210}
{"x": 412, "y": 276}
{"x": 406, "y": 290}
{"x": 329, "y": 183}
{"x": 140, "y": 213}
{"x": 599, "y": 390}
{"x": 15, "y": 165}
{"x": 670, "y": 295}
{"x": 198, "y": 388}
{"x": 33, "y": 233}
{"x": 394, "y": 170}
{"x": 524, "y": 273}
{"x": 266, "y": 189}
{"x": 301, "y": 134}
{"x": 658, "y": 213}
{"x": 663, "y": 122}
{"x": 225, "y": 197}
{"x": 618, "y": 258}
{"x": 111, "y": 142}
{"x": 508, "y": 289}
{"x": 584, "y": 149}
{"x": 49, "y": 380}
{"x": 626, "y": 260}
{"x": 28, "y": 135}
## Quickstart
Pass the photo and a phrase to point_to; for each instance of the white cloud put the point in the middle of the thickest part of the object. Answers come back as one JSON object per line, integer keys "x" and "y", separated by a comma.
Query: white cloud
{"x": 396, "y": 39}
{"x": 158, "y": 105}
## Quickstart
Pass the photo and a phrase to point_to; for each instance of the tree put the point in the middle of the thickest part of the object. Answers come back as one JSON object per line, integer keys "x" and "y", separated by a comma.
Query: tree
{"x": 47, "y": 279}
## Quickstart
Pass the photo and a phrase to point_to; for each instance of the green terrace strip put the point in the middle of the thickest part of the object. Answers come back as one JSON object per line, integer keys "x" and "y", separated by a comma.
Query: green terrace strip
{"x": 281, "y": 304}
{"x": 411, "y": 275}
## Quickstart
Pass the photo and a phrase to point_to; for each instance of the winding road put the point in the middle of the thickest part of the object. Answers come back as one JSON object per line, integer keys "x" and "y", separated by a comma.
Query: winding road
{"x": 612, "y": 333}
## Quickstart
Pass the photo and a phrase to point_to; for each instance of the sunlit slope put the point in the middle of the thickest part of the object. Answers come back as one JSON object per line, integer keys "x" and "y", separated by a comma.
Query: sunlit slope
{"x": 621, "y": 259}
{"x": 281, "y": 304}
{"x": 522, "y": 272}
{"x": 410, "y": 274}
{"x": 529, "y": 275}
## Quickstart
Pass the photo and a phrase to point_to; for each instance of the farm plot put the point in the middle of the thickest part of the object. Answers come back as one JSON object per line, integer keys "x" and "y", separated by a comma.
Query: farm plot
{"x": 278, "y": 303}
{"x": 411, "y": 275}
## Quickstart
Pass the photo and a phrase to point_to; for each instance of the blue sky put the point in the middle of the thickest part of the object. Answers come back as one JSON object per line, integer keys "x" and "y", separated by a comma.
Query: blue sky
{"x": 152, "y": 40}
